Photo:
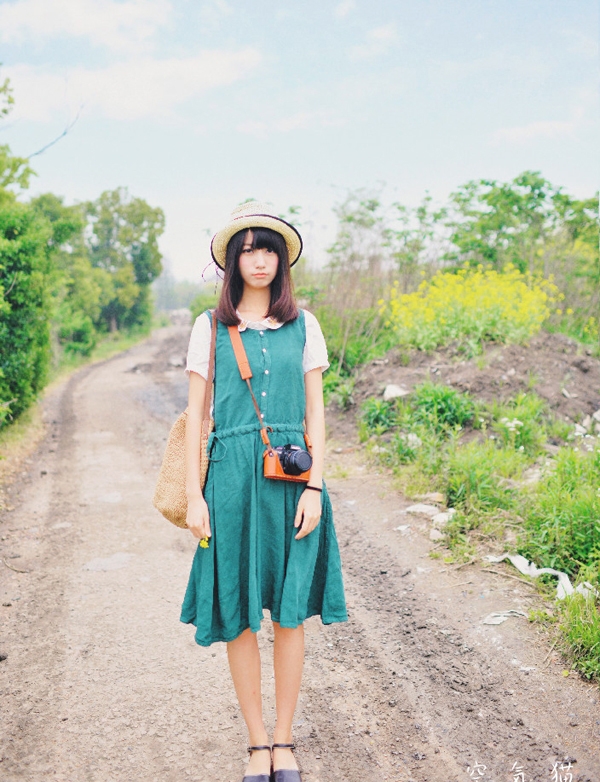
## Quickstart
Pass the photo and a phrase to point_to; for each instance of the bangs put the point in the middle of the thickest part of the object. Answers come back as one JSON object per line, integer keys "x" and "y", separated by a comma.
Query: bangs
{"x": 267, "y": 239}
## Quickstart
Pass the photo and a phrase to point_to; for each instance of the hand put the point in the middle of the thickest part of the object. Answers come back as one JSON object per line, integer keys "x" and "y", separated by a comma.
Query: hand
{"x": 197, "y": 518}
{"x": 308, "y": 513}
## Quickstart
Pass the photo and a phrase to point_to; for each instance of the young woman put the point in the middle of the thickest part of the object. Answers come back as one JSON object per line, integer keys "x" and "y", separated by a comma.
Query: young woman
{"x": 271, "y": 543}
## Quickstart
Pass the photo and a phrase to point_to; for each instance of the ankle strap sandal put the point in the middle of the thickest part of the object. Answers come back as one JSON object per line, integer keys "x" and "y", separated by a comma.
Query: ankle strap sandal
{"x": 286, "y": 774}
{"x": 258, "y": 777}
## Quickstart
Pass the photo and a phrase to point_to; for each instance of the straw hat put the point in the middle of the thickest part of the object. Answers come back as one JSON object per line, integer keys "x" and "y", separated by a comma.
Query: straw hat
{"x": 254, "y": 214}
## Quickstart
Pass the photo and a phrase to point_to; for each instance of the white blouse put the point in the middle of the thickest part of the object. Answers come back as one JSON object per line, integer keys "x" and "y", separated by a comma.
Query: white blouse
{"x": 315, "y": 349}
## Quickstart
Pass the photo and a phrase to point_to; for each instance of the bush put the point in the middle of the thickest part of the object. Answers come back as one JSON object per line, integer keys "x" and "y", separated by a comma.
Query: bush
{"x": 25, "y": 308}
{"x": 470, "y": 307}
{"x": 378, "y": 415}
{"x": 76, "y": 332}
{"x": 439, "y": 407}
{"x": 431, "y": 407}
{"x": 562, "y": 527}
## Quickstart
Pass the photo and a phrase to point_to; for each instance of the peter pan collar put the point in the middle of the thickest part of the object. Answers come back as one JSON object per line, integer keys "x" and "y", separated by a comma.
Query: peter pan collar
{"x": 266, "y": 323}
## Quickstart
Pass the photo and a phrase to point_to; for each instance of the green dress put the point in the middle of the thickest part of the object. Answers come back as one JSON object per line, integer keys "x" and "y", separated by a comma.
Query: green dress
{"x": 253, "y": 561}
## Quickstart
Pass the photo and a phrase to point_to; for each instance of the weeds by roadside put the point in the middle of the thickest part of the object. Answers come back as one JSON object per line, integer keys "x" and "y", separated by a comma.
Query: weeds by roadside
{"x": 492, "y": 464}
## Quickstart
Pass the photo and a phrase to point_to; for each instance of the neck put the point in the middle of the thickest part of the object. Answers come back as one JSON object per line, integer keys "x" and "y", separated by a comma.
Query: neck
{"x": 255, "y": 302}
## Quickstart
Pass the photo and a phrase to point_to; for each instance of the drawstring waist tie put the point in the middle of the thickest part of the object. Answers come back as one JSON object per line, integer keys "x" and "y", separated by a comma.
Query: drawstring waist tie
{"x": 217, "y": 437}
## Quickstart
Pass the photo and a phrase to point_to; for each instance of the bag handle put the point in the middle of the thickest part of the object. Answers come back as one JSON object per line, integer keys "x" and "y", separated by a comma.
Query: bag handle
{"x": 211, "y": 374}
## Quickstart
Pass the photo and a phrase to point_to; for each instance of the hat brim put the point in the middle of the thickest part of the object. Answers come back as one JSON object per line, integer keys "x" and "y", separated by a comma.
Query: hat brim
{"x": 293, "y": 240}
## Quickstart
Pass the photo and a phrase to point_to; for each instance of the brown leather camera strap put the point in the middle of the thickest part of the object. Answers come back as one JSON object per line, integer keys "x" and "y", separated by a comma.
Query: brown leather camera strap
{"x": 246, "y": 373}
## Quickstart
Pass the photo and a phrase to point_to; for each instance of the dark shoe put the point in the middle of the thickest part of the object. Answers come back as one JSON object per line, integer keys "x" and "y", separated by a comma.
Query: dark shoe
{"x": 258, "y": 777}
{"x": 285, "y": 774}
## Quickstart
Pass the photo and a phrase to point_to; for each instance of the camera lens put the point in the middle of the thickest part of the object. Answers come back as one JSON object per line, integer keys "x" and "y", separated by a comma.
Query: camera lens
{"x": 302, "y": 461}
{"x": 294, "y": 460}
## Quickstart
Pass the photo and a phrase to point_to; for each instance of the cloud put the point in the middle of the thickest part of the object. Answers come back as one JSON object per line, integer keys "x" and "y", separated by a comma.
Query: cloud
{"x": 343, "y": 9}
{"x": 130, "y": 90}
{"x": 379, "y": 40}
{"x": 532, "y": 131}
{"x": 118, "y": 25}
{"x": 584, "y": 113}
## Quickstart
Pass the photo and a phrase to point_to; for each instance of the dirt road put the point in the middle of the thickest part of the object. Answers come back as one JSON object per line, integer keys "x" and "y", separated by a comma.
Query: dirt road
{"x": 102, "y": 683}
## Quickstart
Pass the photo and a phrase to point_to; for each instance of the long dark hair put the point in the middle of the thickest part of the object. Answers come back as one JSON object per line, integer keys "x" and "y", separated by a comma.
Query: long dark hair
{"x": 282, "y": 306}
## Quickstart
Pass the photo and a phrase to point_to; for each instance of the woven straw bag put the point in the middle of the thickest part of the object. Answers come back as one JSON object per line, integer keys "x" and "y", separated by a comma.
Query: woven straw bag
{"x": 170, "y": 496}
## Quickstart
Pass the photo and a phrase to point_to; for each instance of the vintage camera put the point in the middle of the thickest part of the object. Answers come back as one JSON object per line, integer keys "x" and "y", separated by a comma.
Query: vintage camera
{"x": 293, "y": 459}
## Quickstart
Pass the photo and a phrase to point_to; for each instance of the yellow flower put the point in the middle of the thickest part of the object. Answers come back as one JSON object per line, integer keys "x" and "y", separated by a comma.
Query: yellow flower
{"x": 472, "y": 304}
{"x": 203, "y": 543}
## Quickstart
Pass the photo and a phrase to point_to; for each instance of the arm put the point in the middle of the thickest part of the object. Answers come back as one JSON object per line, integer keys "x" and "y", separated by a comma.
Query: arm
{"x": 197, "y": 514}
{"x": 309, "y": 507}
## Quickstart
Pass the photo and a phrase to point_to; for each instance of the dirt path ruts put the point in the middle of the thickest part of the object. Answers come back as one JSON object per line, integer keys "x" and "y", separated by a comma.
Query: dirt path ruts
{"x": 102, "y": 683}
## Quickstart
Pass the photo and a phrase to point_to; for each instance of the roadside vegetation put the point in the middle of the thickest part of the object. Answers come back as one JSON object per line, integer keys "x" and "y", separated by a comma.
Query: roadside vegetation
{"x": 496, "y": 264}
{"x": 71, "y": 277}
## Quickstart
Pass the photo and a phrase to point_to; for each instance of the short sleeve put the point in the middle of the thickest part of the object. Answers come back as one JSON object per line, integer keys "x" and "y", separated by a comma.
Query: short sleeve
{"x": 315, "y": 349}
{"x": 199, "y": 347}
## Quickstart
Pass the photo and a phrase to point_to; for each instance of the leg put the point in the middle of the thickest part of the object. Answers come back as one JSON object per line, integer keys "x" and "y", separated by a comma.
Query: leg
{"x": 288, "y": 661}
{"x": 244, "y": 664}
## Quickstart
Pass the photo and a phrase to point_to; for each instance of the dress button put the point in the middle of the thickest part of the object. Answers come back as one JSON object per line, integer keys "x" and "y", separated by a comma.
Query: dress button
{"x": 264, "y": 393}
{"x": 262, "y": 333}
{"x": 262, "y": 415}
{"x": 266, "y": 371}
{"x": 264, "y": 350}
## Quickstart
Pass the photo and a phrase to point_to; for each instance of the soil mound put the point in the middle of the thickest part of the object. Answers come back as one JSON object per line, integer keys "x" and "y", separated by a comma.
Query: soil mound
{"x": 553, "y": 366}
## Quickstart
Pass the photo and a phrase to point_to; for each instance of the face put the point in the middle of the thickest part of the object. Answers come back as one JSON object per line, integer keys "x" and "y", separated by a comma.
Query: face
{"x": 257, "y": 267}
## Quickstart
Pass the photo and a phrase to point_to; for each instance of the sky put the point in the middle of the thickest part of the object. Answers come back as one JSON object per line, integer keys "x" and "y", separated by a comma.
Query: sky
{"x": 196, "y": 106}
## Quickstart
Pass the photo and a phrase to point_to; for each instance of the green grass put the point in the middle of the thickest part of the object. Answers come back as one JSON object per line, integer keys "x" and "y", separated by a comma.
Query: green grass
{"x": 377, "y": 416}
{"x": 579, "y": 625}
{"x": 420, "y": 438}
{"x": 338, "y": 388}
{"x": 521, "y": 423}
{"x": 440, "y": 407}
{"x": 476, "y": 476}
{"x": 430, "y": 407}
{"x": 562, "y": 523}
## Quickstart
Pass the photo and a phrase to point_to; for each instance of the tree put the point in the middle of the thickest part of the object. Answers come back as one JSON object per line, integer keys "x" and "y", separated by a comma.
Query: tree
{"x": 6, "y": 98}
{"x": 13, "y": 170}
{"x": 122, "y": 240}
{"x": 76, "y": 288}
{"x": 497, "y": 223}
{"x": 414, "y": 238}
